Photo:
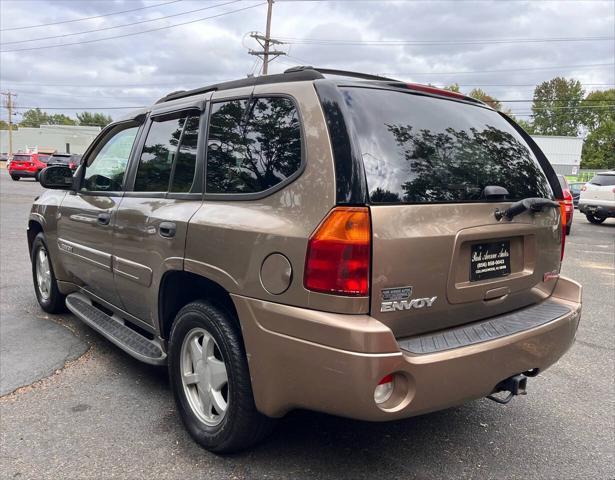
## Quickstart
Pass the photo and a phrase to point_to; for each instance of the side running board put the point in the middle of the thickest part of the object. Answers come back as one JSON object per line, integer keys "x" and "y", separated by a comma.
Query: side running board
{"x": 114, "y": 330}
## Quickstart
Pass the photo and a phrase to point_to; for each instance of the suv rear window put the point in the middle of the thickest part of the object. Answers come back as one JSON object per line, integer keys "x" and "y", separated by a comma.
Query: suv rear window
{"x": 420, "y": 149}
{"x": 603, "y": 180}
{"x": 22, "y": 158}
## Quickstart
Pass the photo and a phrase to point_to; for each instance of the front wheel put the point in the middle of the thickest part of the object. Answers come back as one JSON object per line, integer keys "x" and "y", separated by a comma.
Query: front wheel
{"x": 45, "y": 284}
{"x": 594, "y": 219}
{"x": 209, "y": 374}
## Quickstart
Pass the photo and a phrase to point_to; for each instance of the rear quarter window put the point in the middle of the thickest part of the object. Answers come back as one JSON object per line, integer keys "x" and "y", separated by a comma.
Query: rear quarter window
{"x": 253, "y": 145}
{"x": 420, "y": 149}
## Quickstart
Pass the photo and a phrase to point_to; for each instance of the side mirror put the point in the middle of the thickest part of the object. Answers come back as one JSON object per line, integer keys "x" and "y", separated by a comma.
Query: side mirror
{"x": 58, "y": 177}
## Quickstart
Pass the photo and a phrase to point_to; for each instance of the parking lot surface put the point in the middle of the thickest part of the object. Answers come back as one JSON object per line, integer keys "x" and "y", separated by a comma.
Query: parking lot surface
{"x": 98, "y": 413}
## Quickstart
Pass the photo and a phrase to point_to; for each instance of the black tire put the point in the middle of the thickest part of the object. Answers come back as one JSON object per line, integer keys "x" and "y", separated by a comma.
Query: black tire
{"x": 54, "y": 301}
{"x": 242, "y": 425}
{"x": 568, "y": 229}
{"x": 15, "y": 178}
{"x": 594, "y": 219}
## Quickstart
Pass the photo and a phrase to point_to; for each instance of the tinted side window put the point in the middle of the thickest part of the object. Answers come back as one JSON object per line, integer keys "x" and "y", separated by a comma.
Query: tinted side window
{"x": 252, "y": 146}
{"x": 106, "y": 166}
{"x": 158, "y": 154}
{"x": 418, "y": 149}
{"x": 183, "y": 174}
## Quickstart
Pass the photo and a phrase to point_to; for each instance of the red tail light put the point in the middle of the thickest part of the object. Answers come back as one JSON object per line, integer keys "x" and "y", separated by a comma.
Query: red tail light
{"x": 339, "y": 253}
{"x": 563, "y": 220}
{"x": 568, "y": 203}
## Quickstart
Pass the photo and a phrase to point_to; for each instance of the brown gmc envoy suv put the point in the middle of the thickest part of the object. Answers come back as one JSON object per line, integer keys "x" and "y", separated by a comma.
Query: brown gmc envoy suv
{"x": 317, "y": 239}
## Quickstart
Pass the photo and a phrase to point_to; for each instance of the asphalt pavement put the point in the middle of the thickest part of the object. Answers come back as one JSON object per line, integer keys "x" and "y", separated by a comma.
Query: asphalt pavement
{"x": 98, "y": 413}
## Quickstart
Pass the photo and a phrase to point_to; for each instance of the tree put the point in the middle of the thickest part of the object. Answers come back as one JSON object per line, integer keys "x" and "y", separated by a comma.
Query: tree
{"x": 5, "y": 126}
{"x": 34, "y": 118}
{"x": 94, "y": 119}
{"x": 481, "y": 95}
{"x": 599, "y": 119}
{"x": 556, "y": 107}
{"x": 61, "y": 119}
{"x": 454, "y": 87}
{"x": 525, "y": 125}
{"x": 598, "y": 107}
{"x": 599, "y": 147}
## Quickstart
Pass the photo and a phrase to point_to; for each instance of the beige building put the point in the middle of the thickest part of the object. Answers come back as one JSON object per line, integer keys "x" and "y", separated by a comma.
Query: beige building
{"x": 61, "y": 138}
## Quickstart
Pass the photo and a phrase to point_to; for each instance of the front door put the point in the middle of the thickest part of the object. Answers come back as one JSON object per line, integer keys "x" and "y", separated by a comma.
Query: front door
{"x": 152, "y": 218}
{"x": 86, "y": 217}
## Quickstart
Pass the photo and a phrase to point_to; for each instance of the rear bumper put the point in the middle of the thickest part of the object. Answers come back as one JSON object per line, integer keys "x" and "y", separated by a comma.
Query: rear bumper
{"x": 331, "y": 363}
{"x": 23, "y": 172}
{"x": 598, "y": 210}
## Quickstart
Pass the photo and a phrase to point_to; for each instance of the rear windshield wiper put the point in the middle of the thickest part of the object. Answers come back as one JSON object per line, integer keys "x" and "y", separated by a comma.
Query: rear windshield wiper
{"x": 532, "y": 205}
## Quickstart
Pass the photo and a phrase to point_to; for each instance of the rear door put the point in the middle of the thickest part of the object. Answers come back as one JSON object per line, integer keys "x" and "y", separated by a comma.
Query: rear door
{"x": 152, "y": 220}
{"x": 440, "y": 256}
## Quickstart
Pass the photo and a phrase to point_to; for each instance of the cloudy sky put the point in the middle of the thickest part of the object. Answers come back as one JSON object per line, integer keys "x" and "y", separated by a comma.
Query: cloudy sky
{"x": 105, "y": 54}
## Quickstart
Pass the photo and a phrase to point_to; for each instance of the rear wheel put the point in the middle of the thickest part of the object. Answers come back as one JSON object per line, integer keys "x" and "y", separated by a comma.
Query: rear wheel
{"x": 211, "y": 382}
{"x": 15, "y": 178}
{"x": 594, "y": 219}
{"x": 45, "y": 284}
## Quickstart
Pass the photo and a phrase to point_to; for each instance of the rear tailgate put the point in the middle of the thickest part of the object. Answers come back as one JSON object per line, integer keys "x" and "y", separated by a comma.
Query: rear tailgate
{"x": 440, "y": 257}
{"x": 429, "y": 249}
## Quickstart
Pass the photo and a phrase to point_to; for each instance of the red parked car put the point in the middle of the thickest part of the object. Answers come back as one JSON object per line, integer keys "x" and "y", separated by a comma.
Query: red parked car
{"x": 27, "y": 165}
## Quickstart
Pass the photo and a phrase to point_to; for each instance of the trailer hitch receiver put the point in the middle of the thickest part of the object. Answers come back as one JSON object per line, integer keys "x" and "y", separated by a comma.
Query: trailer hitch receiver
{"x": 515, "y": 385}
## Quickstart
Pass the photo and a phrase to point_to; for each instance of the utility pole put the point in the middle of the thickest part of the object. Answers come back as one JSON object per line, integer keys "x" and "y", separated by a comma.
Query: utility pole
{"x": 9, "y": 106}
{"x": 267, "y": 37}
{"x": 266, "y": 41}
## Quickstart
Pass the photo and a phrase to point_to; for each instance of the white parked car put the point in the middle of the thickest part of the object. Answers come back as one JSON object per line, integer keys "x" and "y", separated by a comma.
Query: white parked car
{"x": 597, "y": 200}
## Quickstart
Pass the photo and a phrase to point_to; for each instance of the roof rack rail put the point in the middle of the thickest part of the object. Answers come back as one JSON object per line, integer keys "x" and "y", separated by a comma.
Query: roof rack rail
{"x": 301, "y": 74}
{"x": 341, "y": 73}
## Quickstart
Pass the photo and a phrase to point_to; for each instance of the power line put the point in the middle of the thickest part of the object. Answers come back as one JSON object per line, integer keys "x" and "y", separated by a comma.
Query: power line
{"x": 121, "y": 26}
{"x": 134, "y": 107}
{"x": 390, "y": 43}
{"x": 88, "y": 18}
{"x": 135, "y": 33}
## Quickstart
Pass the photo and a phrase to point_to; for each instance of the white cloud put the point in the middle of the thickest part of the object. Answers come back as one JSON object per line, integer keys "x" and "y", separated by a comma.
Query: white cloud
{"x": 146, "y": 66}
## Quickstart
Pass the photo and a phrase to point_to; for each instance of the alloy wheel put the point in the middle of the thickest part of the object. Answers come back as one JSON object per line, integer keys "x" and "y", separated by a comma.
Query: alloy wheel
{"x": 204, "y": 376}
